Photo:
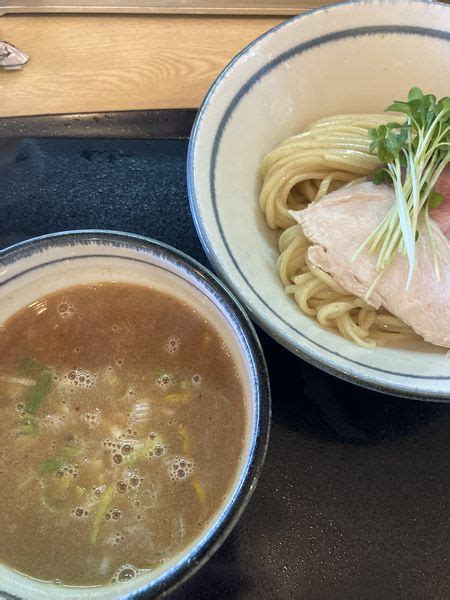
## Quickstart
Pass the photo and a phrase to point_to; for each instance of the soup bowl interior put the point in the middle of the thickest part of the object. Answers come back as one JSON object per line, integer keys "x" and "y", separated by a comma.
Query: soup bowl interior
{"x": 39, "y": 267}
{"x": 353, "y": 57}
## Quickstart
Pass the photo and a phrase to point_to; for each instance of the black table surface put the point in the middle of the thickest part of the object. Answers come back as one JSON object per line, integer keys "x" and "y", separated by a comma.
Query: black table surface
{"x": 353, "y": 500}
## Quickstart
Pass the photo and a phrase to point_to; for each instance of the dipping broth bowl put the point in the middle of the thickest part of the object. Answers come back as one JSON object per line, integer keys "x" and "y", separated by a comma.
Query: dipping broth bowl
{"x": 41, "y": 266}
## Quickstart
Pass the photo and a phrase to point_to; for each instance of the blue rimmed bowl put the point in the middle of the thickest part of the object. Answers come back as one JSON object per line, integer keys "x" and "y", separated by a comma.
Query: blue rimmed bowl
{"x": 43, "y": 265}
{"x": 345, "y": 58}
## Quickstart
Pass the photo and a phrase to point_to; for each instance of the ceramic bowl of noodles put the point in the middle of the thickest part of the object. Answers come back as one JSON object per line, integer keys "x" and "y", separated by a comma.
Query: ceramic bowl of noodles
{"x": 315, "y": 229}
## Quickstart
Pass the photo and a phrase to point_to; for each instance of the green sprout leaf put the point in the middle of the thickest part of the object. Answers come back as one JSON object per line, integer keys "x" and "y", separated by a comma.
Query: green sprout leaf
{"x": 380, "y": 176}
{"x": 435, "y": 200}
{"x": 414, "y": 154}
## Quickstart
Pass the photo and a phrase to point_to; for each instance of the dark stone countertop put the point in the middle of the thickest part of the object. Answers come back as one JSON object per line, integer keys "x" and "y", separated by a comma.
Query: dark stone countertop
{"x": 353, "y": 500}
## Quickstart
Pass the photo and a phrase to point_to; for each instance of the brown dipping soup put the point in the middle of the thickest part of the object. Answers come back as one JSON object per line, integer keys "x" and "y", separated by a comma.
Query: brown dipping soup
{"x": 122, "y": 421}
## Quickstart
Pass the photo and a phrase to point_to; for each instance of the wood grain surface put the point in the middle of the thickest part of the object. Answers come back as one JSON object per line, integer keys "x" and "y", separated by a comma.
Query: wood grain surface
{"x": 216, "y": 7}
{"x": 95, "y": 63}
{"x": 103, "y": 63}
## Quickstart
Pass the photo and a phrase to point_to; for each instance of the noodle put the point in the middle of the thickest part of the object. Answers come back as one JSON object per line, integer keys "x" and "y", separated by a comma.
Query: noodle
{"x": 329, "y": 154}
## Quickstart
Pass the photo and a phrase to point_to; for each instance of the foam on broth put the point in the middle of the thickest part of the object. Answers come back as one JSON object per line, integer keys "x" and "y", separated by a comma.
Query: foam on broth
{"x": 137, "y": 437}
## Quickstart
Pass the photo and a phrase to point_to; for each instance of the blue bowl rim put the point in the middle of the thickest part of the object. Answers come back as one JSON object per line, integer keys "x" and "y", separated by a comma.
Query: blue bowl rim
{"x": 215, "y": 536}
{"x": 398, "y": 389}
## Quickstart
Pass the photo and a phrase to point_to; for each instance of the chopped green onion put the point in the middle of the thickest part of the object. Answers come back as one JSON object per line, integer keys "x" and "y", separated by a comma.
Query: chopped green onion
{"x": 51, "y": 465}
{"x": 79, "y": 492}
{"x": 36, "y": 395}
{"x": 56, "y": 491}
{"x": 43, "y": 380}
{"x": 28, "y": 425}
{"x": 102, "y": 509}
{"x": 159, "y": 374}
{"x": 71, "y": 453}
{"x": 73, "y": 448}
{"x": 140, "y": 450}
{"x": 164, "y": 377}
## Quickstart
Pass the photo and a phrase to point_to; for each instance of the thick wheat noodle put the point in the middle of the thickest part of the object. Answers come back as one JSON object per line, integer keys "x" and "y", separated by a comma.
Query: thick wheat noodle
{"x": 329, "y": 154}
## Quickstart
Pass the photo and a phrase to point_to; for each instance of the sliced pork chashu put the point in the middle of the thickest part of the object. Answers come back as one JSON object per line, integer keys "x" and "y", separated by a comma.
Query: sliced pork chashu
{"x": 338, "y": 224}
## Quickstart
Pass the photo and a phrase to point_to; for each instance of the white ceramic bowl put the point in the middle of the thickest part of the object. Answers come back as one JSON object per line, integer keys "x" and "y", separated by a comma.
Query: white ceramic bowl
{"x": 350, "y": 57}
{"x": 43, "y": 265}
